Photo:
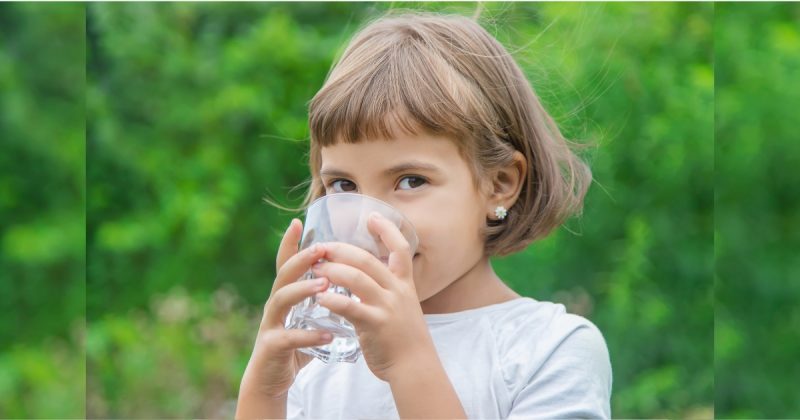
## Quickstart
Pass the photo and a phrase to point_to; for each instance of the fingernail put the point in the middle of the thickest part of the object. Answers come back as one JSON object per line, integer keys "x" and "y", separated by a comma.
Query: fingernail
{"x": 326, "y": 336}
{"x": 312, "y": 249}
{"x": 319, "y": 282}
{"x": 374, "y": 215}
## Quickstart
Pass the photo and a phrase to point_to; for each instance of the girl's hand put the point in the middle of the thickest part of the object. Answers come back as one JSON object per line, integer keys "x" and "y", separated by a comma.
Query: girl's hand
{"x": 389, "y": 320}
{"x": 275, "y": 360}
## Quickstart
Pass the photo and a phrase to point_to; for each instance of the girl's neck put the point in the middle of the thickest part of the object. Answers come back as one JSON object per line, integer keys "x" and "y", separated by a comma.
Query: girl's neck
{"x": 478, "y": 287}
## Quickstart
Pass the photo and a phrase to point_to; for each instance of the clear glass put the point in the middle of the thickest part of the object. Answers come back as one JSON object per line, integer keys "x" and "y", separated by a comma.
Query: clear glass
{"x": 342, "y": 217}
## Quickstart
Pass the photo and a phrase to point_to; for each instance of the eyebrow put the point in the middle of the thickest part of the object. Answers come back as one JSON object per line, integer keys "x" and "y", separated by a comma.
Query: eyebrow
{"x": 402, "y": 167}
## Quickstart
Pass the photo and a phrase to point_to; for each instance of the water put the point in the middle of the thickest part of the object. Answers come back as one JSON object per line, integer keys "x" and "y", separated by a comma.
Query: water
{"x": 309, "y": 315}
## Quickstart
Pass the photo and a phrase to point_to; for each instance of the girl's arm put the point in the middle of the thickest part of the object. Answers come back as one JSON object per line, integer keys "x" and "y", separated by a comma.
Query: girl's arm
{"x": 275, "y": 361}
{"x": 423, "y": 390}
{"x": 260, "y": 407}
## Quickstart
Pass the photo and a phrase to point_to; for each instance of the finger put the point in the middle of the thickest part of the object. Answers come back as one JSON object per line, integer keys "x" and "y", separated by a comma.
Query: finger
{"x": 359, "y": 258}
{"x": 400, "y": 253}
{"x": 297, "y": 265}
{"x": 289, "y": 243}
{"x": 287, "y": 340}
{"x": 280, "y": 303}
{"x": 350, "y": 277}
{"x": 357, "y": 313}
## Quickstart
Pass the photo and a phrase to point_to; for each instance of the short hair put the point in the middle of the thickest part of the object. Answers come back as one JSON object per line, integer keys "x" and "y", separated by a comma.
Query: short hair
{"x": 445, "y": 75}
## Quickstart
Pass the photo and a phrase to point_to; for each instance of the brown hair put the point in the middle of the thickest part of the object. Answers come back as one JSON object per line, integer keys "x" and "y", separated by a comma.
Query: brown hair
{"x": 419, "y": 72}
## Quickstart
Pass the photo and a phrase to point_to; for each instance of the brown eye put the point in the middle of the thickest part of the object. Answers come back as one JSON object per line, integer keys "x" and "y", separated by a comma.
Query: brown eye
{"x": 343, "y": 185}
{"x": 412, "y": 182}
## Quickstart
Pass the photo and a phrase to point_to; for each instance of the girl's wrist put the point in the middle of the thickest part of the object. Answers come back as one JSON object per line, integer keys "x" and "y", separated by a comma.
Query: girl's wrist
{"x": 420, "y": 362}
{"x": 256, "y": 401}
{"x": 422, "y": 389}
{"x": 253, "y": 386}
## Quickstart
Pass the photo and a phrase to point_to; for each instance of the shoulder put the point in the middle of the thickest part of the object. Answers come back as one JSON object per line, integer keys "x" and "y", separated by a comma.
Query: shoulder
{"x": 551, "y": 357}
{"x": 543, "y": 325}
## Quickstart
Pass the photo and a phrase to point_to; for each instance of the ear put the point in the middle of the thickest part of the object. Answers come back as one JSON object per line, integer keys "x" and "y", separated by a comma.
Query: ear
{"x": 506, "y": 184}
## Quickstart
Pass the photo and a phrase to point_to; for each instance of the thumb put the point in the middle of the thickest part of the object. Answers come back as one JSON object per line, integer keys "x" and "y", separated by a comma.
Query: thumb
{"x": 400, "y": 253}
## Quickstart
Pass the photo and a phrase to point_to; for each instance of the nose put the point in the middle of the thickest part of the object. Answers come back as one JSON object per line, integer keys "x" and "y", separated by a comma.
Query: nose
{"x": 397, "y": 205}
{"x": 380, "y": 197}
{"x": 386, "y": 199}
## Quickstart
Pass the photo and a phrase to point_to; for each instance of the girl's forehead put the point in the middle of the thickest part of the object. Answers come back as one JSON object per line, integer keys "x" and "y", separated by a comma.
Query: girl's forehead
{"x": 405, "y": 146}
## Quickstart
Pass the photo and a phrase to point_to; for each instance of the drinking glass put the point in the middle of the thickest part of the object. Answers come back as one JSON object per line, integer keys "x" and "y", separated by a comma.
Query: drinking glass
{"x": 342, "y": 217}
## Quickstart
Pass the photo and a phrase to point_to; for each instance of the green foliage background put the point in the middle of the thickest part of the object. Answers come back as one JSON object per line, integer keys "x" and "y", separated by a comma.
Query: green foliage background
{"x": 757, "y": 218}
{"x": 194, "y": 112}
{"x": 42, "y": 217}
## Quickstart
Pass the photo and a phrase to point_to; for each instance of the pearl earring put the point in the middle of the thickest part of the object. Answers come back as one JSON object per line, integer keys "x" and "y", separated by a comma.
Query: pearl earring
{"x": 500, "y": 212}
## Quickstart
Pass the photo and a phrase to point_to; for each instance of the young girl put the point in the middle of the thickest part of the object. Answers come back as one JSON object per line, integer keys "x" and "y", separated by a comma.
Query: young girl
{"x": 432, "y": 115}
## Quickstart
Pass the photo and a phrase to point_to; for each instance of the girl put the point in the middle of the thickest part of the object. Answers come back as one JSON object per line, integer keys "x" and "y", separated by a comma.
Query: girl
{"x": 432, "y": 115}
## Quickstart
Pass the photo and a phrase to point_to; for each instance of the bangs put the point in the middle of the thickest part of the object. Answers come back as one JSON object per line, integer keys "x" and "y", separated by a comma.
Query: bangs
{"x": 394, "y": 83}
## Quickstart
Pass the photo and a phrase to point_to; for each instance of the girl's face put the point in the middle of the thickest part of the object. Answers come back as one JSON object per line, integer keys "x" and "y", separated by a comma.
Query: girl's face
{"x": 427, "y": 180}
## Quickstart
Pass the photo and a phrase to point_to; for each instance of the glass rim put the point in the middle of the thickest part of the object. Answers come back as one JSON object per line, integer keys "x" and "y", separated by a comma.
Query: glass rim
{"x": 377, "y": 200}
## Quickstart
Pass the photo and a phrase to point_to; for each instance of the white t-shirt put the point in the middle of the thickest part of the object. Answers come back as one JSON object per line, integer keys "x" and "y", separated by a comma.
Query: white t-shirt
{"x": 517, "y": 359}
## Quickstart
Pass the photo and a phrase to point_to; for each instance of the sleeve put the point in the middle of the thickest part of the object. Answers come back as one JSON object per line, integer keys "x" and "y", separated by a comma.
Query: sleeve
{"x": 574, "y": 381}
